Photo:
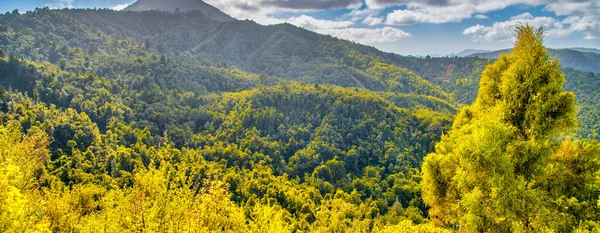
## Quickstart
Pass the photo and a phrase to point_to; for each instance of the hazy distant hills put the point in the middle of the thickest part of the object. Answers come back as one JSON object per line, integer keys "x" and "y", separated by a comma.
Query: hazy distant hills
{"x": 468, "y": 52}
{"x": 586, "y": 50}
{"x": 179, "y": 5}
{"x": 584, "y": 59}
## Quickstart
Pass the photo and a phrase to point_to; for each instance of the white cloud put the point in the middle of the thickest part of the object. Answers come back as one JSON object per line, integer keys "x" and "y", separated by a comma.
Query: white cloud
{"x": 308, "y": 4}
{"x": 119, "y": 7}
{"x": 563, "y": 8}
{"x": 419, "y": 12}
{"x": 476, "y": 5}
{"x": 371, "y": 21}
{"x": 368, "y": 35}
{"x": 504, "y": 31}
{"x": 361, "y": 14}
{"x": 589, "y": 25}
{"x": 60, "y": 4}
{"x": 477, "y": 31}
{"x": 368, "y": 13}
{"x": 311, "y": 23}
{"x": 342, "y": 29}
{"x": 444, "y": 11}
{"x": 415, "y": 16}
{"x": 382, "y": 4}
{"x": 263, "y": 11}
{"x": 523, "y": 16}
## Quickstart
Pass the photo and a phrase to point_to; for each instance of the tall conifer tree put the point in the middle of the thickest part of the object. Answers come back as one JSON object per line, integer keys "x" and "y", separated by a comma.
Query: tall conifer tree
{"x": 503, "y": 166}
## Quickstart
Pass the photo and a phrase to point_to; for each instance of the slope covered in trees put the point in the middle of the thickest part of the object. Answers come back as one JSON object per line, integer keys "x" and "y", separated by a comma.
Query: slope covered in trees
{"x": 111, "y": 44}
{"x": 302, "y": 152}
{"x": 92, "y": 40}
{"x": 155, "y": 121}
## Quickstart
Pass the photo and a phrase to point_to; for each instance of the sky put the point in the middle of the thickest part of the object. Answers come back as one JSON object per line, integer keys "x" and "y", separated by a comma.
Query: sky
{"x": 407, "y": 27}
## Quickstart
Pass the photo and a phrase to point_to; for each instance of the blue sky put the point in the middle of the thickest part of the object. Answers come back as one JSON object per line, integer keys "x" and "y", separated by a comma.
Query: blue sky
{"x": 415, "y": 27}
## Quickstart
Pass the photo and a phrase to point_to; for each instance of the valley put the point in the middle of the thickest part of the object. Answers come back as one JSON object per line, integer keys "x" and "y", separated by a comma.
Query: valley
{"x": 191, "y": 120}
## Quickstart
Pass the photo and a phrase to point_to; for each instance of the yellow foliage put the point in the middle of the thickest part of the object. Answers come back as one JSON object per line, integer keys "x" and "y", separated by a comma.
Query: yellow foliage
{"x": 501, "y": 167}
{"x": 21, "y": 159}
{"x": 270, "y": 219}
{"x": 407, "y": 226}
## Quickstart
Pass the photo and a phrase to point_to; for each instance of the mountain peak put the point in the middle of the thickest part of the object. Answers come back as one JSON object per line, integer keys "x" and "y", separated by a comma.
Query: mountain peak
{"x": 179, "y": 5}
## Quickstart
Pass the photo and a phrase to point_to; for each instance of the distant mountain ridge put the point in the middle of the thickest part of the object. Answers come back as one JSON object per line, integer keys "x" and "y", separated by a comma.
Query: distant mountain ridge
{"x": 468, "y": 52}
{"x": 180, "y": 5}
{"x": 583, "y": 59}
{"x": 586, "y": 50}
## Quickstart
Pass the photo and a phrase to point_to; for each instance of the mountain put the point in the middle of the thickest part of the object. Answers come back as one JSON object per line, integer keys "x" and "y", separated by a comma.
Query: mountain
{"x": 569, "y": 58}
{"x": 244, "y": 53}
{"x": 468, "y": 52}
{"x": 283, "y": 51}
{"x": 281, "y": 116}
{"x": 586, "y": 50}
{"x": 179, "y": 5}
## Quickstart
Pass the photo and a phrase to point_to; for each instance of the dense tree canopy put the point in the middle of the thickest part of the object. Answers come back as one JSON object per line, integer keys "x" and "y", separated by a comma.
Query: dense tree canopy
{"x": 302, "y": 152}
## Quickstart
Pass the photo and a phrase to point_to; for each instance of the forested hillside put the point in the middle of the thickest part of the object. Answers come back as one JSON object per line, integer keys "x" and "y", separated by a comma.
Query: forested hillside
{"x": 258, "y": 143}
{"x": 282, "y": 50}
{"x": 156, "y": 121}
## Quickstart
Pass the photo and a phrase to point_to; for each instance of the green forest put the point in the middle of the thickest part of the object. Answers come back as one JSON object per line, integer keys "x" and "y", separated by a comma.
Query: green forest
{"x": 173, "y": 122}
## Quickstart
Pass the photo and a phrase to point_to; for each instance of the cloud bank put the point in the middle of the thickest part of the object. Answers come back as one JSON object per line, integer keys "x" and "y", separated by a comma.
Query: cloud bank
{"x": 61, "y": 4}
{"x": 366, "y": 16}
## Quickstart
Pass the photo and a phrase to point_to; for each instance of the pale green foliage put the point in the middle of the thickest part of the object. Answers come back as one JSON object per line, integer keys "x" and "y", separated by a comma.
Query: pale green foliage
{"x": 500, "y": 168}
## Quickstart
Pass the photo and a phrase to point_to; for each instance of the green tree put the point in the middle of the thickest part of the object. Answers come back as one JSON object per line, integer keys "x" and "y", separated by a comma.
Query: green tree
{"x": 493, "y": 171}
